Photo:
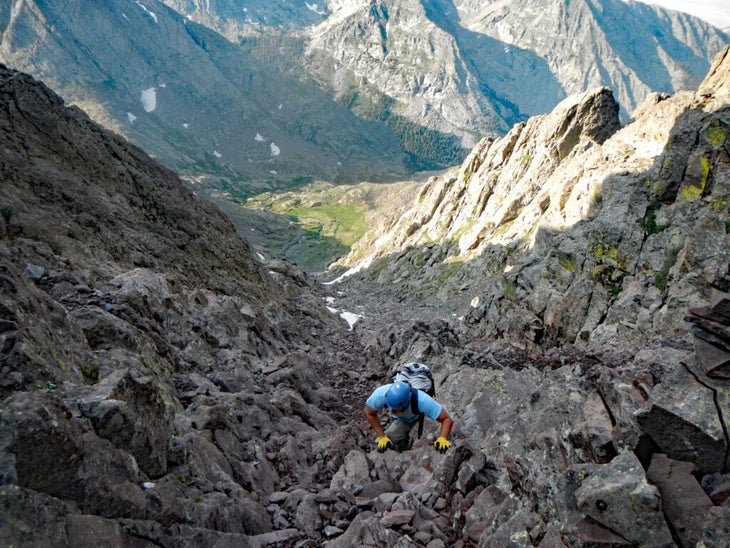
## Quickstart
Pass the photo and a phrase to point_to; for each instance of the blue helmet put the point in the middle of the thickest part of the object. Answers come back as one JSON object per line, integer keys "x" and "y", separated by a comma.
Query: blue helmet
{"x": 398, "y": 395}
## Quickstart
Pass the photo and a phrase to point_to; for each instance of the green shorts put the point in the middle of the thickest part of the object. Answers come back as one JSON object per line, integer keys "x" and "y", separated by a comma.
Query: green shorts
{"x": 399, "y": 433}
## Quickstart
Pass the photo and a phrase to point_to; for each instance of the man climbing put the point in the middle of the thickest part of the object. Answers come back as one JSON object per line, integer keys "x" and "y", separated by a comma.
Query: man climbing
{"x": 397, "y": 397}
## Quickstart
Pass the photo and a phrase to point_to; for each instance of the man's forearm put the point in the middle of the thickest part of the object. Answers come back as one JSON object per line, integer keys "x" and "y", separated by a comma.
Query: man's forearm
{"x": 374, "y": 421}
{"x": 446, "y": 424}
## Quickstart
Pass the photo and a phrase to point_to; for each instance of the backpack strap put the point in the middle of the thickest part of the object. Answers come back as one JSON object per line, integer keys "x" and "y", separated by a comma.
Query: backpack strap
{"x": 414, "y": 400}
{"x": 414, "y": 408}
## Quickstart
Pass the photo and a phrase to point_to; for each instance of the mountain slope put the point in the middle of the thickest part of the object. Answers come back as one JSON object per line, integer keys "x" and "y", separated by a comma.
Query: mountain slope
{"x": 237, "y": 19}
{"x": 475, "y": 68}
{"x": 538, "y": 235}
{"x": 413, "y": 82}
{"x": 633, "y": 48}
{"x": 190, "y": 97}
{"x": 515, "y": 58}
{"x": 134, "y": 322}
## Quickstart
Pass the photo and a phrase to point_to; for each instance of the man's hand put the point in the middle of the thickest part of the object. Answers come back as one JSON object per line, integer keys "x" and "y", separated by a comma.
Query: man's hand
{"x": 442, "y": 444}
{"x": 384, "y": 444}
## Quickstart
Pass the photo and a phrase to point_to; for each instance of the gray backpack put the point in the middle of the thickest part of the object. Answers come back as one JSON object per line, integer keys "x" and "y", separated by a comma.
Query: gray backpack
{"x": 419, "y": 377}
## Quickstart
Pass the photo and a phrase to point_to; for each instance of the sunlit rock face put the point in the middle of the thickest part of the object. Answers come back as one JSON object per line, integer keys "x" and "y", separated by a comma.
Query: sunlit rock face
{"x": 573, "y": 224}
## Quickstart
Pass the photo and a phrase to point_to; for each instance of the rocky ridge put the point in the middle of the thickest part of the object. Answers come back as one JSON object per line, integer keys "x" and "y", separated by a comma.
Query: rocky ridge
{"x": 571, "y": 207}
{"x": 164, "y": 384}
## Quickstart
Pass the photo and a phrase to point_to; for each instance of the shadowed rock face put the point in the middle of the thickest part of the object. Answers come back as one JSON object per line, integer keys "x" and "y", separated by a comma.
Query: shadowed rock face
{"x": 144, "y": 344}
{"x": 163, "y": 384}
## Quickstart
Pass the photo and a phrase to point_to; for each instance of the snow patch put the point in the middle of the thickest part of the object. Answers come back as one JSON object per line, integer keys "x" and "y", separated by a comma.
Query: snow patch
{"x": 131, "y": 117}
{"x": 149, "y": 99}
{"x": 275, "y": 150}
{"x": 259, "y": 138}
{"x": 315, "y": 8}
{"x": 217, "y": 154}
{"x": 349, "y": 317}
{"x": 350, "y": 272}
{"x": 150, "y": 13}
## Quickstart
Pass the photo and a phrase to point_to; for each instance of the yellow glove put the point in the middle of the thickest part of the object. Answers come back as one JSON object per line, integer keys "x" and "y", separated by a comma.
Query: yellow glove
{"x": 442, "y": 444}
{"x": 384, "y": 444}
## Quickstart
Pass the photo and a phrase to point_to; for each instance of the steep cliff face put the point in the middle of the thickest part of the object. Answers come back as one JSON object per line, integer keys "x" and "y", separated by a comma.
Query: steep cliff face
{"x": 365, "y": 52}
{"x": 571, "y": 208}
{"x": 632, "y": 47}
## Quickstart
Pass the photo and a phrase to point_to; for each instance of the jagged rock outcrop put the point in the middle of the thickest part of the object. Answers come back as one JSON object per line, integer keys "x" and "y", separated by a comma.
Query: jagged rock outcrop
{"x": 573, "y": 370}
{"x": 572, "y": 228}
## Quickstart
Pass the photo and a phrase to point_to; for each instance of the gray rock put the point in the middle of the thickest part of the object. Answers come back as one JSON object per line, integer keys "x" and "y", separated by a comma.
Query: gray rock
{"x": 47, "y": 445}
{"x": 366, "y": 530}
{"x": 354, "y": 471}
{"x": 683, "y": 500}
{"x": 716, "y": 526}
{"x": 307, "y": 518}
{"x": 617, "y": 496}
{"x": 331, "y": 531}
{"x": 376, "y": 488}
{"x": 397, "y": 518}
{"x": 130, "y": 411}
{"x": 682, "y": 419}
{"x": 88, "y": 531}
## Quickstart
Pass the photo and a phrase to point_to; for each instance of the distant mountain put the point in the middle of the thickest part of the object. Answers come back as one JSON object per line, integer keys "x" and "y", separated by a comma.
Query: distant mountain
{"x": 239, "y": 18}
{"x": 471, "y": 68}
{"x": 190, "y": 97}
{"x": 347, "y": 91}
{"x": 632, "y": 47}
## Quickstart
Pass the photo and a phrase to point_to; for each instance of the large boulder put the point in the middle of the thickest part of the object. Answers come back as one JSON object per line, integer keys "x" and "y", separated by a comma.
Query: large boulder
{"x": 129, "y": 410}
{"x": 617, "y": 497}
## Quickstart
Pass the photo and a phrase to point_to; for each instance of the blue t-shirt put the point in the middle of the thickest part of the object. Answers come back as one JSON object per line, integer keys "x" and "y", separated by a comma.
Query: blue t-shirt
{"x": 426, "y": 405}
